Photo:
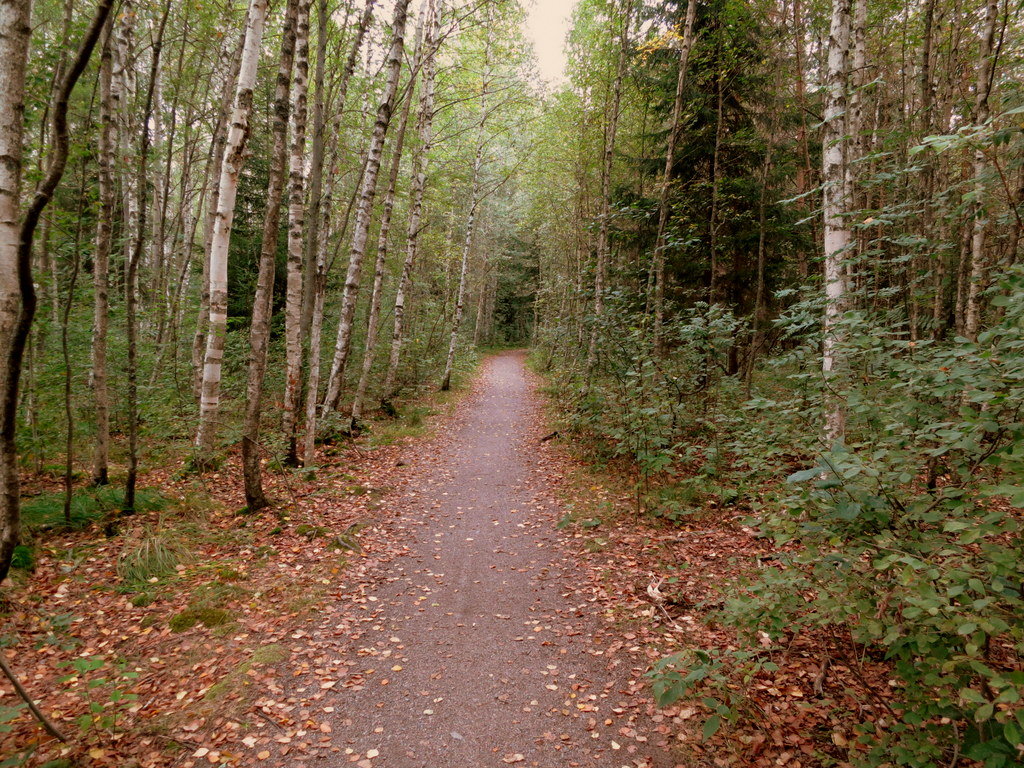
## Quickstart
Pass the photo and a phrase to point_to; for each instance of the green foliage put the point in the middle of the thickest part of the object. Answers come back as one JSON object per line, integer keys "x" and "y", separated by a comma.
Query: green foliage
{"x": 87, "y": 505}
{"x": 101, "y": 683}
{"x": 909, "y": 537}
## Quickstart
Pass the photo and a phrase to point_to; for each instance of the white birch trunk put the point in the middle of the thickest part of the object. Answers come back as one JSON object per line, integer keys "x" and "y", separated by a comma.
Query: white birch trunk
{"x": 364, "y": 212}
{"x": 979, "y": 261}
{"x": 15, "y": 275}
{"x": 834, "y": 208}
{"x": 234, "y": 159}
{"x": 424, "y": 127}
{"x": 373, "y": 320}
{"x": 660, "y": 243}
{"x": 608, "y": 151}
{"x": 467, "y": 247}
{"x": 296, "y": 227}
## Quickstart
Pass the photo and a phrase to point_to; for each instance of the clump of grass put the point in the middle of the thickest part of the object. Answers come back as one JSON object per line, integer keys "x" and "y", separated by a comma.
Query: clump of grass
{"x": 87, "y": 505}
{"x": 24, "y": 558}
{"x": 156, "y": 554}
{"x": 208, "y": 617}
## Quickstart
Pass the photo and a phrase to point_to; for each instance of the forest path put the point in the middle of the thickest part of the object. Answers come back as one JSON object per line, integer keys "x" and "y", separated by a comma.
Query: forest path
{"x": 476, "y": 646}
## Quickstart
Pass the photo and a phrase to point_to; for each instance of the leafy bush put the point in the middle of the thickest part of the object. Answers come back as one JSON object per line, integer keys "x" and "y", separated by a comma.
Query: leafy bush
{"x": 908, "y": 539}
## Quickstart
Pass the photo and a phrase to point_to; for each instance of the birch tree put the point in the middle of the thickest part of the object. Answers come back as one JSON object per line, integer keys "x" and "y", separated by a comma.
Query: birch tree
{"x": 296, "y": 226}
{"x": 17, "y": 292}
{"x": 234, "y": 160}
{"x": 384, "y": 232}
{"x": 420, "y": 160}
{"x": 978, "y": 257}
{"x": 364, "y": 212}
{"x": 611, "y": 126}
{"x": 834, "y": 208}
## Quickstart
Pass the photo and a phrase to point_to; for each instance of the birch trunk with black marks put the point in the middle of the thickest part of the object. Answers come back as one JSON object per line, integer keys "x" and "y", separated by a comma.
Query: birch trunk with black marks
{"x": 467, "y": 248}
{"x": 834, "y": 210}
{"x": 979, "y": 260}
{"x": 296, "y": 226}
{"x": 364, "y": 211}
{"x": 373, "y": 319}
{"x": 220, "y": 137}
{"x": 424, "y": 127}
{"x": 316, "y": 159}
{"x": 611, "y": 126}
{"x": 17, "y": 292}
{"x": 231, "y": 169}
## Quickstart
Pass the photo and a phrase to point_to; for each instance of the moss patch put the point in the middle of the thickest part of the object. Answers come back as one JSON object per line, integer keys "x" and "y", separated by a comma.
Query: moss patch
{"x": 208, "y": 617}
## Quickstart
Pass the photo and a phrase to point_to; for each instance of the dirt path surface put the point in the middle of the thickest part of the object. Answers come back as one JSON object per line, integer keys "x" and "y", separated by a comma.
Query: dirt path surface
{"x": 475, "y": 647}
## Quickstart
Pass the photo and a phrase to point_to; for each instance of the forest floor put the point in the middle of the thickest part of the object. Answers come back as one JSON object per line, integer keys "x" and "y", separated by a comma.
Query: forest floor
{"x": 471, "y": 598}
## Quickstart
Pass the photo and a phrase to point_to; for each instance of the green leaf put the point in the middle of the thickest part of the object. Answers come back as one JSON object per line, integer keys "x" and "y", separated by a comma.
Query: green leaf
{"x": 711, "y": 726}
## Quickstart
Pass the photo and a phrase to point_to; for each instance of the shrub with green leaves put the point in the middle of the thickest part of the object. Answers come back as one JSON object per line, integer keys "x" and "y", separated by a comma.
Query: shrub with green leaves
{"x": 908, "y": 539}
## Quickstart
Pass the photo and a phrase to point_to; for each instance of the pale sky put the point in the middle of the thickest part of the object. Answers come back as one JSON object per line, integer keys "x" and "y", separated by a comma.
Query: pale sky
{"x": 547, "y": 24}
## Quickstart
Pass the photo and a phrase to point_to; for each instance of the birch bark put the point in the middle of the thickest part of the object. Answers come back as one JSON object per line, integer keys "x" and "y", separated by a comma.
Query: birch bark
{"x": 296, "y": 226}
{"x": 364, "y": 212}
{"x": 373, "y": 320}
{"x": 420, "y": 161}
{"x": 834, "y": 207}
{"x": 666, "y": 178}
{"x": 234, "y": 159}
{"x": 979, "y": 228}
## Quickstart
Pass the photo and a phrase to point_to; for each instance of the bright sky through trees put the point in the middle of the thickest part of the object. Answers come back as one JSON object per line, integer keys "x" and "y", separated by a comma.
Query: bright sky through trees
{"x": 547, "y": 25}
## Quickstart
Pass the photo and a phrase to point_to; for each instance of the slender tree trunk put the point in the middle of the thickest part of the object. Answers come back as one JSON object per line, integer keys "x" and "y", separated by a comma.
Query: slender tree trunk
{"x": 660, "y": 243}
{"x": 262, "y": 306}
{"x": 131, "y": 277}
{"x": 424, "y": 127}
{"x": 296, "y": 225}
{"x": 979, "y": 258}
{"x": 318, "y": 279}
{"x": 101, "y": 268}
{"x": 834, "y": 208}
{"x": 718, "y": 271}
{"x": 220, "y": 137}
{"x": 316, "y": 164}
{"x": 373, "y": 321}
{"x": 17, "y": 293}
{"x": 234, "y": 159}
{"x": 364, "y": 212}
{"x": 608, "y": 153}
{"x": 467, "y": 248}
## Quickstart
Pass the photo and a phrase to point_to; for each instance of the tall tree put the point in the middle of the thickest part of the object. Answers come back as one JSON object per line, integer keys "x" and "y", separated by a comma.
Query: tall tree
{"x": 364, "y": 212}
{"x": 660, "y": 242}
{"x": 611, "y": 126}
{"x": 296, "y": 226}
{"x": 17, "y": 293}
{"x": 418, "y": 184}
{"x": 101, "y": 264}
{"x": 259, "y": 330}
{"x": 384, "y": 233}
{"x": 234, "y": 160}
{"x": 835, "y": 206}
